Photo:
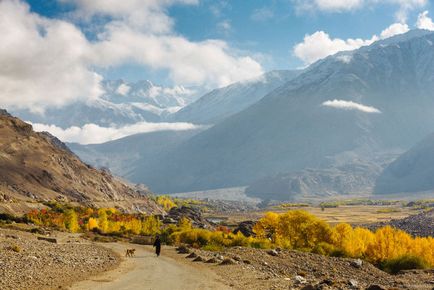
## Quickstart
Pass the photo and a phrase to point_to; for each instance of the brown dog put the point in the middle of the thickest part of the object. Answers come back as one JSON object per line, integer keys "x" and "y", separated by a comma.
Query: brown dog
{"x": 130, "y": 252}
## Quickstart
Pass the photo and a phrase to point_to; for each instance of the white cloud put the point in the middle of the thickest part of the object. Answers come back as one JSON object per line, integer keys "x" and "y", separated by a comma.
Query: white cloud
{"x": 262, "y": 14}
{"x": 123, "y": 89}
{"x": 42, "y": 61}
{"x": 224, "y": 26}
{"x": 350, "y": 106}
{"x": 424, "y": 21}
{"x": 95, "y": 134}
{"x": 320, "y": 45}
{"x": 48, "y": 62}
{"x": 404, "y": 6}
{"x": 329, "y": 5}
{"x": 394, "y": 29}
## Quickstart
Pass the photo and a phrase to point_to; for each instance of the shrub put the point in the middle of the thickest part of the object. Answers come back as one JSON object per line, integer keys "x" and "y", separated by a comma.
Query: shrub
{"x": 15, "y": 248}
{"x": 406, "y": 262}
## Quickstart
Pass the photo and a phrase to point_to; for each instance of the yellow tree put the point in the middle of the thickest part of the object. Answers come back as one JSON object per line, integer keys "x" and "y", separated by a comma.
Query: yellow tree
{"x": 71, "y": 222}
{"x": 102, "y": 220}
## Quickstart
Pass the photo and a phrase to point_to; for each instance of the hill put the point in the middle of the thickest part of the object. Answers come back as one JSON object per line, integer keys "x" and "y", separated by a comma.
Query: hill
{"x": 37, "y": 167}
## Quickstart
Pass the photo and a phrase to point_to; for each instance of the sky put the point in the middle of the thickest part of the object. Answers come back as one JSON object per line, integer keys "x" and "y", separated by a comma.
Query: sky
{"x": 57, "y": 52}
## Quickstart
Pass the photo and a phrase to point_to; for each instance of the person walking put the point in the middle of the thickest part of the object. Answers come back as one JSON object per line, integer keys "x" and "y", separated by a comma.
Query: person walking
{"x": 157, "y": 245}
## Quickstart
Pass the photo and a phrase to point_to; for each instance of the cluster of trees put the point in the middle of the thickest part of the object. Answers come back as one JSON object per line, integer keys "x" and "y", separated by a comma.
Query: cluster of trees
{"x": 303, "y": 231}
{"x": 106, "y": 220}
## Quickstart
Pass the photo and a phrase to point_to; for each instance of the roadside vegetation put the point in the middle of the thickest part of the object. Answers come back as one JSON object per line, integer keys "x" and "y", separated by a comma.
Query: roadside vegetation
{"x": 388, "y": 248}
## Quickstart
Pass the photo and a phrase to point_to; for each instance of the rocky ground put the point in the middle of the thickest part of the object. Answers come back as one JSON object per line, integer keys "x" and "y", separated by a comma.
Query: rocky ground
{"x": 246, "y": 268}
{"x": 420, "y": 225}
{"x": 29, "y": 263}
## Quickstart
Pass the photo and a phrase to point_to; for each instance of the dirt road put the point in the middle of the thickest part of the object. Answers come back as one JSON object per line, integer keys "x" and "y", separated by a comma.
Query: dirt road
{"x": 146, "y": 271}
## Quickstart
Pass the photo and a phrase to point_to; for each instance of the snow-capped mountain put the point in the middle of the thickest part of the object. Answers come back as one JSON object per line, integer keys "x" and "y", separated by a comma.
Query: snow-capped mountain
{"x": 220, "y": 103}
{"x": 122, "y": 103}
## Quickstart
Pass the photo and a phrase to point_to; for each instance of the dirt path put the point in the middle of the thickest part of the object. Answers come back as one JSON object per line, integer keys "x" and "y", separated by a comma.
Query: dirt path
{"x": 146, "y": 271}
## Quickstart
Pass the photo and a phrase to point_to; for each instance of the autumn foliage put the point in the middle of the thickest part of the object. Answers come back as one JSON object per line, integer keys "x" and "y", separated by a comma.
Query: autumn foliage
{"x": 303, "y": 231}
{"x": 387, "y": 247}
{"x": 104, "y": 220}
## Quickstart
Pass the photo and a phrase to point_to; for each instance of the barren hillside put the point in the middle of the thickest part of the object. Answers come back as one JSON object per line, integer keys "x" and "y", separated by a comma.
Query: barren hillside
{"x": 37, "y": 167}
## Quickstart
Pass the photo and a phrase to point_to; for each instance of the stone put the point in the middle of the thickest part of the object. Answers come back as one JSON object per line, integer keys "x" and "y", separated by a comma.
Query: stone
{"x": 309, "y": 287}
{"x": 198, "y": 259}
{"x": 228, "y": 261}
{"x": 273, "y": 253}
{"x": 357, "y": 263}
{"x": 353, "y": 283}
{"x": 183, "y": 250}
{"x": 48, "y": 239}
{"x": 192, "y": 255}
{"x": 375, "y": 287}
{"x": 299, "y": 279}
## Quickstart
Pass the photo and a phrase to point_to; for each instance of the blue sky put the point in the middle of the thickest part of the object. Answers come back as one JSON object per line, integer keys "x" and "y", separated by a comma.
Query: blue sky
{"x": 200, "y": 43}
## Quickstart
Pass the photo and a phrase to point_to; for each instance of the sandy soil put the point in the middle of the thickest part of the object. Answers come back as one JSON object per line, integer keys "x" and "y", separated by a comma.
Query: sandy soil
{"x": 146, "y": 271}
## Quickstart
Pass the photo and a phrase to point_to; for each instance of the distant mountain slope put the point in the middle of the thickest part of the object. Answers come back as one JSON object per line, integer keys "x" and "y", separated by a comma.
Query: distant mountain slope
{"x": 369, "y": 100}
{"x": 124, "y": 155}
{"x": 356, "y": 176}
{"x": 36, "y": 167}
{"x": 221, "y": 103}
{"x": 412, "y": 172}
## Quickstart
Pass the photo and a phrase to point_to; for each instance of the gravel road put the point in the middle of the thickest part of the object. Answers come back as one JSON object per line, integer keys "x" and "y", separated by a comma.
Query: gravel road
{"x": 146, "y": 271}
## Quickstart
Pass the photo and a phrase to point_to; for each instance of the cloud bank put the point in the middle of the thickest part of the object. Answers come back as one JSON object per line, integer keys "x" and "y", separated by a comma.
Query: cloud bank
{"x": 424, "y": 21}
{"x": 320, "y": 45}
{"x": 95, "y": 134}
{"x": 50, "y": 62}
{"x": 350, "y": 106}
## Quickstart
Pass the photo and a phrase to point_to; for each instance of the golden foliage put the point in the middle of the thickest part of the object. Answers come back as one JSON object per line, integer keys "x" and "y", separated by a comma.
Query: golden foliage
{"x": 166, "y": 202}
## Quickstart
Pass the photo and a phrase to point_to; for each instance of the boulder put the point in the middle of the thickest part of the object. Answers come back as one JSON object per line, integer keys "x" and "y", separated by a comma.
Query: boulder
{"x": 245, "y": 227}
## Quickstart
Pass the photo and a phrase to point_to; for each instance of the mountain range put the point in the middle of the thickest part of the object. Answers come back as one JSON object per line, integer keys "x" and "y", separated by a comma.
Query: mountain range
{"x": 334, "y": 127}
{"x": 372, "y": 100}
{"x": 122, "y": 103}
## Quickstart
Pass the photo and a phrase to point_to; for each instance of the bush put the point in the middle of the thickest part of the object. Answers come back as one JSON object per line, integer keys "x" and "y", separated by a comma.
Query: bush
{"x": 16, "y": 248}
{"x": 406, "y": 262}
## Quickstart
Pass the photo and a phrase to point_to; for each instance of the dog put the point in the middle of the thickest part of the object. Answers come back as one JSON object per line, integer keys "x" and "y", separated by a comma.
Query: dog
{"x": 130, "y": 252}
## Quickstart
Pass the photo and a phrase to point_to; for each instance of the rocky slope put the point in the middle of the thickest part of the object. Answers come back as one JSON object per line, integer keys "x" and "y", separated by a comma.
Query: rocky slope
{"x": 355, "y": 176}
{"x": 28, "y": 263}
{"x": 413, "y": 171}
{"x": 247, "y": 268}
{"x": 36, "y": 167}
{"x": 419, "y": 225}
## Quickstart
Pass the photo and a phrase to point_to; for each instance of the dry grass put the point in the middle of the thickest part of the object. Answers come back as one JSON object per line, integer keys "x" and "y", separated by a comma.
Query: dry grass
{"x": 353, "y": 214}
